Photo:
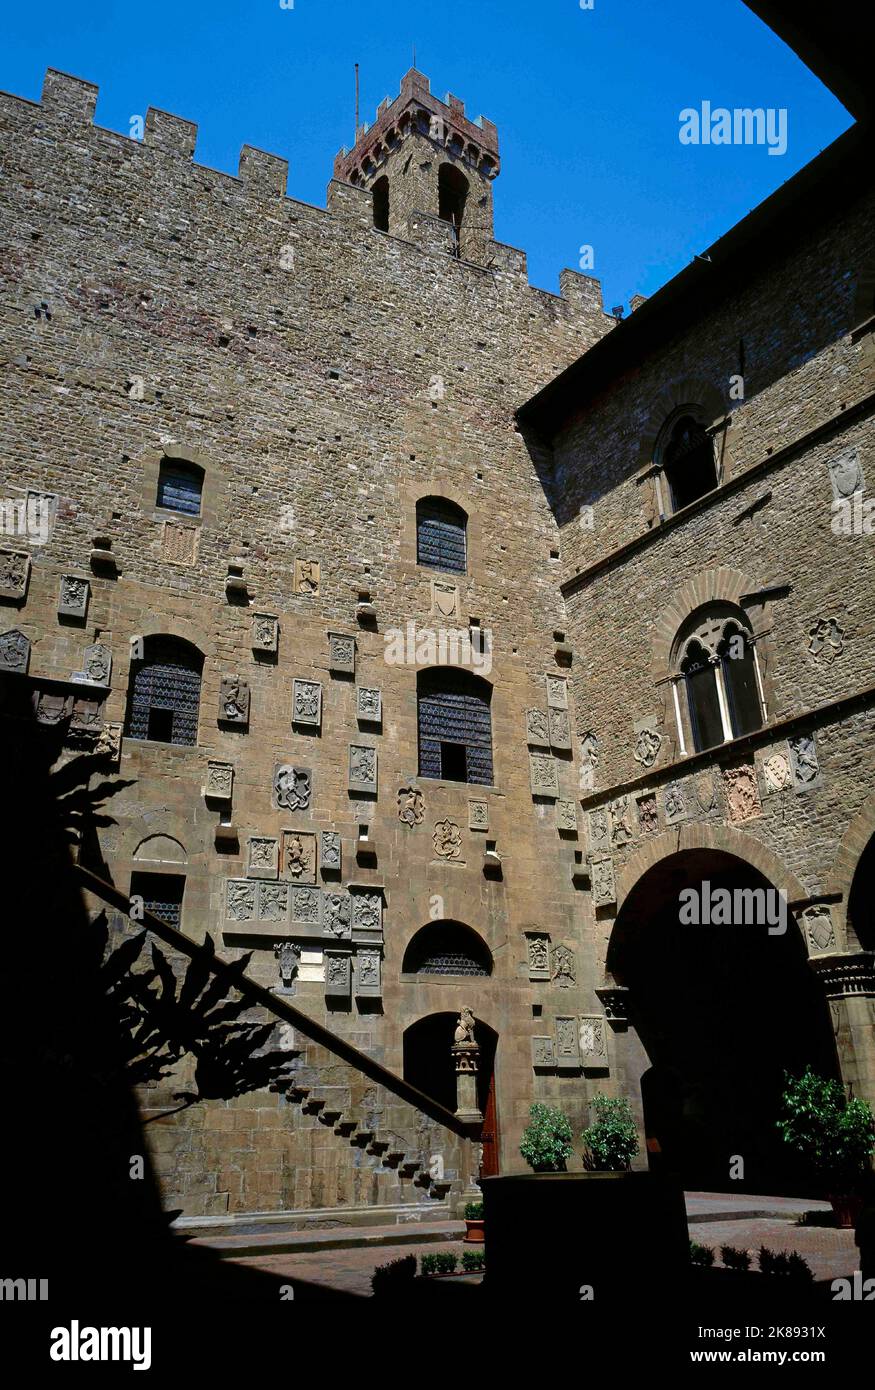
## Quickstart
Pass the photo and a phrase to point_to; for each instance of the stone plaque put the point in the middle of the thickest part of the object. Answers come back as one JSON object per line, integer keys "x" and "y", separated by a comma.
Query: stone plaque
{"x": 543, "y": 777}
{"x": 362, "y": 768}
{"x": 338, "y": 973}
{"x": 599, "y": 830}
{"x": 292, "y": 787}
{"x": 299, "y": 856}
{"x": 674, "y": 803}
{"x": 331, "y": 851}
{"x": 109, "y": 743}
{"x": 538, "y": 955}
{"x": 262, "y": 857}
{"x": 445, "y": 599}
{"x": 648, "y": 815}
{"x": 341, "y": 653}
{"x": 307, "y": 577}
{"x": 589, "y": 760}
{"x": 742, "y": 793}
{"x": 220, "y": 781}
{"x": 367, "y": 974}
{"x": 411, "y": 805}
{"x": 478, "y": 815}
{"x": 367, "y": 913}
{"x": 240, "y": 900}
{"x": 234, "y": 701}
{"x": 567, "y": 1044}
{"x": 14, "y": 651}
{"x": 819, "y": 930}
{"x": 563, "y": 967}
{"x": 846, "y": 474}
{"x": 369, "y": 704}
{"x": 622, "y": 818}
{"x": 776, "y": 773}
{"x": 51, "y": 707}
{"x": 73, "y": 595}
{"x": 803, "y": 761}
{"x": 307, "y": 703}
{"x": 337, "y": 915}
{"x": 97, "y": 664}
{"x": 604, "y": 890}
{"x": 14, "y": 574}
{"x": 537, "y": 728}
{"x": 705, "y": 792}
{"x": 179, "y": 543}
{"x": 264, "y": 633}
{"x": 593, "y": 1037}
{"x": 306, "y": 904}
{"x": 647, "y": 746}
{"x": 557, "y": 692}
{"x": 826, "y": 640}
{"x": 543, "y": 1055}
{"x": 447, "y": 840}
{"x": 273, "y": 901}
{"x": 288, "y": 959}
{"x": 566, "y": 816}
{"x": 560, "y": 729}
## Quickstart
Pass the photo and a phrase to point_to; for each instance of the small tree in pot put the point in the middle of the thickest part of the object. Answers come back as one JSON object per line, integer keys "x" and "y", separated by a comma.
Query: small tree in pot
{"x": 611, "y": 1141}
{"x": 835, "y": 1135}
{"x": 547, "y": 1141}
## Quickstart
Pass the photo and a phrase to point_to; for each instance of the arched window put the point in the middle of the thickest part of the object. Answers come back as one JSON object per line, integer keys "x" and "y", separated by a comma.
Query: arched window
{"x": 164, "y": 692}
{"x": 441, "y": 535}
{"x": 180, "y": 485}
{"x": 452, "y": 196}
{"x": 161, "y": 894}
{"x": 719, "y": 678}
{"x": 687, "y": 459}
{"x": 380, "y": 194}
{"x": 455, "y": 726}
{"x": 447, "y": 948}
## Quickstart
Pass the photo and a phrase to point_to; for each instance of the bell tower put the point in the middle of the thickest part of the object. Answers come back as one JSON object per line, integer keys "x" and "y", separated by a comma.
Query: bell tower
{"x": 423, "y": 156}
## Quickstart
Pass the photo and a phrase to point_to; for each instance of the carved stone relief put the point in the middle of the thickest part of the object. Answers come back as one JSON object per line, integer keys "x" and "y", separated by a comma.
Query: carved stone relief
{"x": 648, "y": 815}
{"x": 307, "y": 577}
{"x": 264, "y": 632}
{"x": 543, "y": 1054}
{"x": 341, "y": 653}
{"x": 331, "y": 851}
{"x": 567, "y": 1044}
{"x": 337, "y": 915}
{"x": 73, "y": 595}
{"x": 557, "y": 692}
{"x": 647, "y": 746}
{"x": 593, "y": 1039}
{"x": 307, "y": 703}
{"x": 563, "y": 967}
{"x": 369, "y": 704}
{"x": 803, "y": 761}
{"x": 305, "y": 904}
{"x": 622, "y": 816}
{"x": 14, "y": 651}
{"x": 179, "y": 543}
{"x": 14, "y": 574}
{"x": 362, "y": 768}
{"x": 589, "y": 760}
{"x": 826, "y": 640}
{"x": 234, "y": 701}
{"x": 292, "y": 787}
{"x": 220, "y": 781}
{"x": 538, "y": 954}
{"x": 604, "y": 890}
{"x": 566, "y": 816}
{"x": 846, "y": 474}
{"x": 447, "y": 840}
{"x": 299, "y": 856}
{"x": 288, "y": 959}
{"x": 742, "y": 793}
{"x": 819, "y": 930}
{"x": 478, "y": 815}
{"x": 543, "y": 777}
{"x": 776, "y": 772}
{"x": 97, "y": 664}
{"x": 367, "y": 974}
{"x": 338, "y": 973}
{"x": 560, "y": 729}
{"x": 109, "y": 743}
{"x": 367, "y": 912}
{"x": 599, "y": 830}
{"x": 411, "y": 805}
{"x": 445, "y": 599}
{"x": 262, "y": 857}
{"x": 537, "y": 728}
{"x": 674, "y": 803}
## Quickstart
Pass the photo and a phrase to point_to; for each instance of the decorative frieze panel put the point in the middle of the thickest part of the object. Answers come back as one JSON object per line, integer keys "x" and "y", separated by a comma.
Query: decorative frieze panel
{"x": 337, "y": 915}
{"x": 560, "y": 729}
{"x": 338, "y": 974}
{"x": 538, "y": 955}
{"x": 307, "y": 577}
{"x": 557, "y": 691}
{"x": 742, "y": 793}
{"x": 592, "y": 1035}
{"x": 273, "y": 902}
{"x": 543, "y": 777}
{"x": 219, "y": 783}
{"x": 362, "y": 768}
{"x": 622, "y": 816}
{"x": 234, "y": 701}
{"x": 14, "y": 574}
{"x": 331, "y": 852}
{"x": 369, "y": 704}
{"x": 599, "y": 830}
{"x": 292, "y": 787}
{"x": 264, "y": 633}
{"x": 563, "y": 973}
{"x": 537, "y": 728}
{"x": 307, "y": 703}
{"x": 566, "y": 817}
{"x": 674, "y": 803}
{"x": 803, "y": 762}
{"x": 305, "y": 905}
{"x": 567, "y": 1044}
{"x": 411, "y": 805}
{"x": 73, "y": 596}
{"x": 368, "y": 983}
{"x": 478, "y": 815}
{"x": 543, "y": 1054}
{"x": 14, "y": 651}
{"x": 299, "y": 856}
{"x": 819, "y": 930}
{"x": 341, "y": 653}
{"x": 96, "y": 664}
{"x": 367, "y": 913}
{"x": 604, "y": 891}
{"x": 648, "y": 814}
{"x": 253, "y": 901}
{"x": 262, "y": 857}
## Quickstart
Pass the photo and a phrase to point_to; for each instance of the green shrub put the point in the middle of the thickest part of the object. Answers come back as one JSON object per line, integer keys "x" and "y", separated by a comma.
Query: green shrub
{"x": 474, "y": 1211}
{"x": 834, "y": 1135}
{"x": 445, "y": 1262}
{"x": 428, "y": 1264}
{"x": 701, "y": 1255}
{"x": 734, "y": 1258}
{"x": 473, "y": 1260}
{"x": 611, "y": 1141}
{"x": 388, "y": 1279}
{"x": 547, "y": 1140}
{"x": 798, "y": 1268}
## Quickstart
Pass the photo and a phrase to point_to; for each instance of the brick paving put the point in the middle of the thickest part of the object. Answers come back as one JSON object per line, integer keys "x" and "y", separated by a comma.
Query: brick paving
{"x": 348, "y": 1271}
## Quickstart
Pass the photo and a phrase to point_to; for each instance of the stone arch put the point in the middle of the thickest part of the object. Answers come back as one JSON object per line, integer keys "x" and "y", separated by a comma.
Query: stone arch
{"x": 719, "y": 584}
{"x": 168, "y": 625}
{"x": 694, "y": 392}
{"x": 852, "y": 846}
{"x": 160, "y": 849}
{"x": 460, "y": 938}
{"x": 214, "y": 479}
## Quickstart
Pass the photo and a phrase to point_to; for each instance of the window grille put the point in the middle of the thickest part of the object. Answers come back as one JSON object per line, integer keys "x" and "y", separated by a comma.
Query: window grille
{"x": 165, "y": 693}
{"x": 161, "y": 893}
{"x": 441, "y": 536}
{"x": 455, "y": 728}
{"x": 445, "y": 948}
{"x": 179, "y": 487}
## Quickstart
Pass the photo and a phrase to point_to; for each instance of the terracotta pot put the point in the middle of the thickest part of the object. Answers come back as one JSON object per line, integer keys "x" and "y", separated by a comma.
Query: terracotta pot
{"x": 475, "y": 1233}
{"x": 847, "y": 1208}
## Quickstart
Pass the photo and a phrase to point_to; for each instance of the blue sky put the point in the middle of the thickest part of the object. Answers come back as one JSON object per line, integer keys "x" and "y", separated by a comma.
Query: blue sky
{"x": 586, "y": 102}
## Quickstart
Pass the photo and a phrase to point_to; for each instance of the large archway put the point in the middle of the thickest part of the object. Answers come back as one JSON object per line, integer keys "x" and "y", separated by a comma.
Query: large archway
{"x": 718, "y": 1014}
{"x": 428, "y": 1065}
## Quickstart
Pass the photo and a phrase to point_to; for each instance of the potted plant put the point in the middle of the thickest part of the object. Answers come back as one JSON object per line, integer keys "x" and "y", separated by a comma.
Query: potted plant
{"x": 546, "y": 1144}
{"x": 835, "y": 1135}
{"x": 611, "y": 1141}
{"x": 475, "y": 1233}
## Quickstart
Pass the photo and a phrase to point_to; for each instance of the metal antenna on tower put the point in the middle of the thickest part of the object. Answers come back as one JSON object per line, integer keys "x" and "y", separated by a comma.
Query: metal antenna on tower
{"x": 356, "y": 103}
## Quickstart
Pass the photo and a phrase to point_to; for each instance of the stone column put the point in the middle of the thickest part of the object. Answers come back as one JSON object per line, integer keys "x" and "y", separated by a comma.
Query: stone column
{"x": 466, "y": 1055}
{"x": 848, "y": 980}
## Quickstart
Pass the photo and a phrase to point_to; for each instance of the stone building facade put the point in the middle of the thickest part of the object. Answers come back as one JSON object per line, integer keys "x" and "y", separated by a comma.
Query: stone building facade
{"x": 297, "y": 551}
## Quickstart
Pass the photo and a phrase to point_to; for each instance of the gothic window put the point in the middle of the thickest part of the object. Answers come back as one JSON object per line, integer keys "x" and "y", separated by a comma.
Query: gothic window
{"x": 447, "y": 948}
{"x": 180, "y": 485}
{"x": 717, "y": 689}
{"x": 441, "y": 534}
{"x": 687, "y": 460}
{"x": 161, "y": 894}
{"x": 455, "y": 726}
{"x": 380, "y": 194}
{"x": 164, "y": 692}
